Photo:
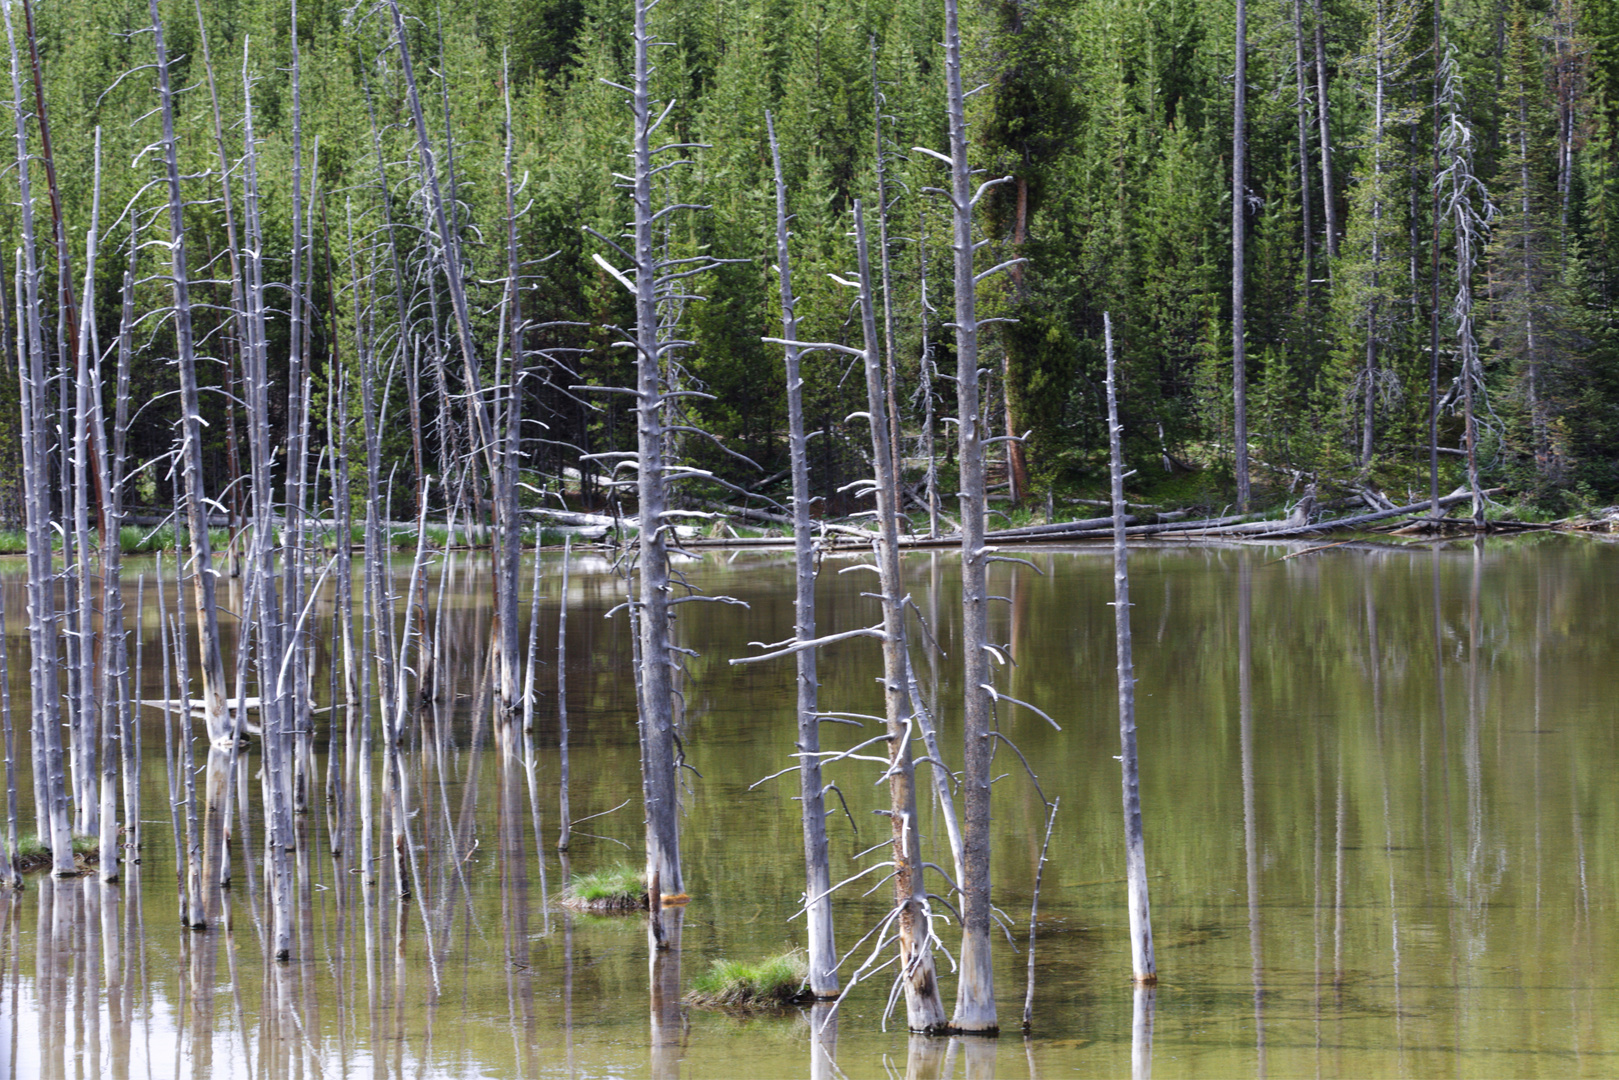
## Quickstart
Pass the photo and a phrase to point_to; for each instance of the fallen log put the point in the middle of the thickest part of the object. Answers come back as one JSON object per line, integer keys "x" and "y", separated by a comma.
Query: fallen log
{"x": 1366, "y": 519}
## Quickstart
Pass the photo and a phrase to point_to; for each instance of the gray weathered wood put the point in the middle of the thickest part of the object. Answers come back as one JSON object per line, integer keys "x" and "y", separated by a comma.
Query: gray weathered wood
{"x": 924, "y": 1009}
{"x": 975, "y": 990}
{"x": 1135, "y": 855}
{"x": 823, "y": 958}
{"x": 1239, "y": 247}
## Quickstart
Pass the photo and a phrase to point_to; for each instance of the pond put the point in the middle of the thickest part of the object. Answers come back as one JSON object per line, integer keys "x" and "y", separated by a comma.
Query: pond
{"x": 1376, "y": 782}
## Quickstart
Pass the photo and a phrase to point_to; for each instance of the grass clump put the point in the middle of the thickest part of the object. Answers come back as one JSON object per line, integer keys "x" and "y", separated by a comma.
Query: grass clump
{"x": 33, "y": 853}
{"x": 616, "y": 888}
{"x": 768, "y": 984}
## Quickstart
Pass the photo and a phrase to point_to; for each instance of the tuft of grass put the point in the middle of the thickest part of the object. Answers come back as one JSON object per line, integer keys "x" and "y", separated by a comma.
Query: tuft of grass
{"x": 33, "y": 853}
{"x": 770, "y": 983}
{"x": 615, "y": 888}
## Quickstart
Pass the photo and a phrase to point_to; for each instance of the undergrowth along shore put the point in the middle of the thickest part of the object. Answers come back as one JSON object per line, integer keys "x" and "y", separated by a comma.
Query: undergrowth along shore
{"x": 1075, "y": 518}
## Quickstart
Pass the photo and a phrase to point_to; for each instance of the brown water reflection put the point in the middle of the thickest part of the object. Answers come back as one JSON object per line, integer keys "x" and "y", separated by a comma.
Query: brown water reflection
{"x": 1375, "y": 786}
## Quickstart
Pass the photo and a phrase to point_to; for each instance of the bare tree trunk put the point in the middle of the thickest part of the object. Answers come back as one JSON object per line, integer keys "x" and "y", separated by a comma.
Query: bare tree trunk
{"x": 1328, "y": 207}
{"x": 271, "y": 655}
{"x": 923, "y": 1007}
{"x": 129, "y": 766}
{"x": 926, "y": 365}
{"x": 508, "y": 535}
{"x": 1468, "y": 220}
{"x": 1135, "y": 854}
{"x": 891, "y": 375}
{"x": 219, "y": 722}
{"x": 975, "y": 993}
{"x": 1303, "y": 108}
{"x": 50, "y": 781}
{"x": 657, "y": 684}
{"x": 1239, "y": 244}
{"x": 10, "y": 876}
{"x": 1433, "y": 314}
{"x": 823, "y": 959}
{"x": 1369, "y": 375}
{"x": 563, "y": 809}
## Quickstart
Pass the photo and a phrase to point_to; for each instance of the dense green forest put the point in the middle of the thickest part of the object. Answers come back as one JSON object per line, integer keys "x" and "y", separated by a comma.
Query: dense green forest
{"x": 1377, "y": 134}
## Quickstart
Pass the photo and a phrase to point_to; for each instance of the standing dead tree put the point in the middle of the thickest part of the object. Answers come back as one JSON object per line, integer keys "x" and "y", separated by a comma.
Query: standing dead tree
{"x": 1465, "y": 205}
{"x": 50, "y": 779}
{"x": 909, "y": 923}
{"x": 1135, "y": 856}
{"x": 975, "y": 993}
{"x": 499, "y": 463}
{"x": 1239, "y": 245}
{"x": 220, "y": 722}
{"x": 660, "y": 284}
{"x": 823, "y": 977}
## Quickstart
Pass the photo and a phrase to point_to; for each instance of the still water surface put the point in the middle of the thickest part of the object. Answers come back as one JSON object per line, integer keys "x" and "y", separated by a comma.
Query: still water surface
{"x": 1377, "y": 787}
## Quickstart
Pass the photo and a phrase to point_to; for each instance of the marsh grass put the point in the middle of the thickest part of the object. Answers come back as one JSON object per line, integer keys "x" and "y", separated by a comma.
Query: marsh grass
{"x": 615, "y": 888}
{"x": 772, "y": 983}
{"x": 34, "y": 854}
{"x": 139, "y": 540}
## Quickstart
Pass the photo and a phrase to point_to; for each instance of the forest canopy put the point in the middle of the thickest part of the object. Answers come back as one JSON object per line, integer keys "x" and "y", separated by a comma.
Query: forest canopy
{"x": 1113, "y": 119}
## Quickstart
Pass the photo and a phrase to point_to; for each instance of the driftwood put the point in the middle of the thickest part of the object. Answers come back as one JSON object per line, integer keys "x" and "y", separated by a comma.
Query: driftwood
{"x": 1366, "y": 519}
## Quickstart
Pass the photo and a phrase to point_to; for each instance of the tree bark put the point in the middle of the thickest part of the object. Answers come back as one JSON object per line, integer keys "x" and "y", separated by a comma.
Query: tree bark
{"x": 1239, "y": 243}
{"x": 657, "y": 685}
{"x": 975, "y": 992}
{"x": 823, "y": 959}
{"x": 923, "y": 1008}
{"x": 1135, "y": 854}
{"x": 1323, "y": 116}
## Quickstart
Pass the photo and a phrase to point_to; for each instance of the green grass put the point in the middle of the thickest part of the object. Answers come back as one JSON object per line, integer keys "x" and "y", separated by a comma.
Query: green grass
{"x": 615, "y": 888}
{"x": 138, "y": 540}
{"x": 34, "y": 854}
{"x": 770, "y": 983}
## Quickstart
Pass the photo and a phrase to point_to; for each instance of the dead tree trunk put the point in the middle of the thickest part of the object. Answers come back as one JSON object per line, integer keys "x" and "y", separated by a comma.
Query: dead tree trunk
{"x": 1466, "y": 204}
{"x": 1239, "y": 244}
{"x": 923, "y": 1007}
{"x": 1323, "y": 116}
{"x": 975, "y": 995}
{"x": 50, "y": 780}
{"x": 1135, "y": 854}
{"x": 823, "y": 960}
{"x": 219, "y": 721}
{"x": 1303, "y": 108}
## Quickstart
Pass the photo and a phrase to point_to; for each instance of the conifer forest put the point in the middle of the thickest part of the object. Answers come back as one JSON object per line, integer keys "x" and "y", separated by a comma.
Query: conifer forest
{"x": 345, "y": 346}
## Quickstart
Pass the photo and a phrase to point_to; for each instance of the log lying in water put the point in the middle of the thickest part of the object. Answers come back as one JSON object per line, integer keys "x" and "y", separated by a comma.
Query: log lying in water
{"x": 1366, "y": 519}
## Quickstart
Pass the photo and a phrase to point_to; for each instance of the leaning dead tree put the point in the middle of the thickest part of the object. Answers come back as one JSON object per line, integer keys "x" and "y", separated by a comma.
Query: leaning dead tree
{"x": 491, "y": 447}
{"x": 923, "y": 1005}
{"x": 1135, "y": 856}
{"x": 221, "y": 723}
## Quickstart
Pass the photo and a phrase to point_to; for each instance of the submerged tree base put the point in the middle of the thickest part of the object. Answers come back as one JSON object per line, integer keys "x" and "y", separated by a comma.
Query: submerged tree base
{"x": 772, "y": 983}
{"x": 34, "y": 855}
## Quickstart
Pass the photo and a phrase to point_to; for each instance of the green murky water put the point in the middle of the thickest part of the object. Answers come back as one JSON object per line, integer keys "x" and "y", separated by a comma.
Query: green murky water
{"x": 1377, "y": 787}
